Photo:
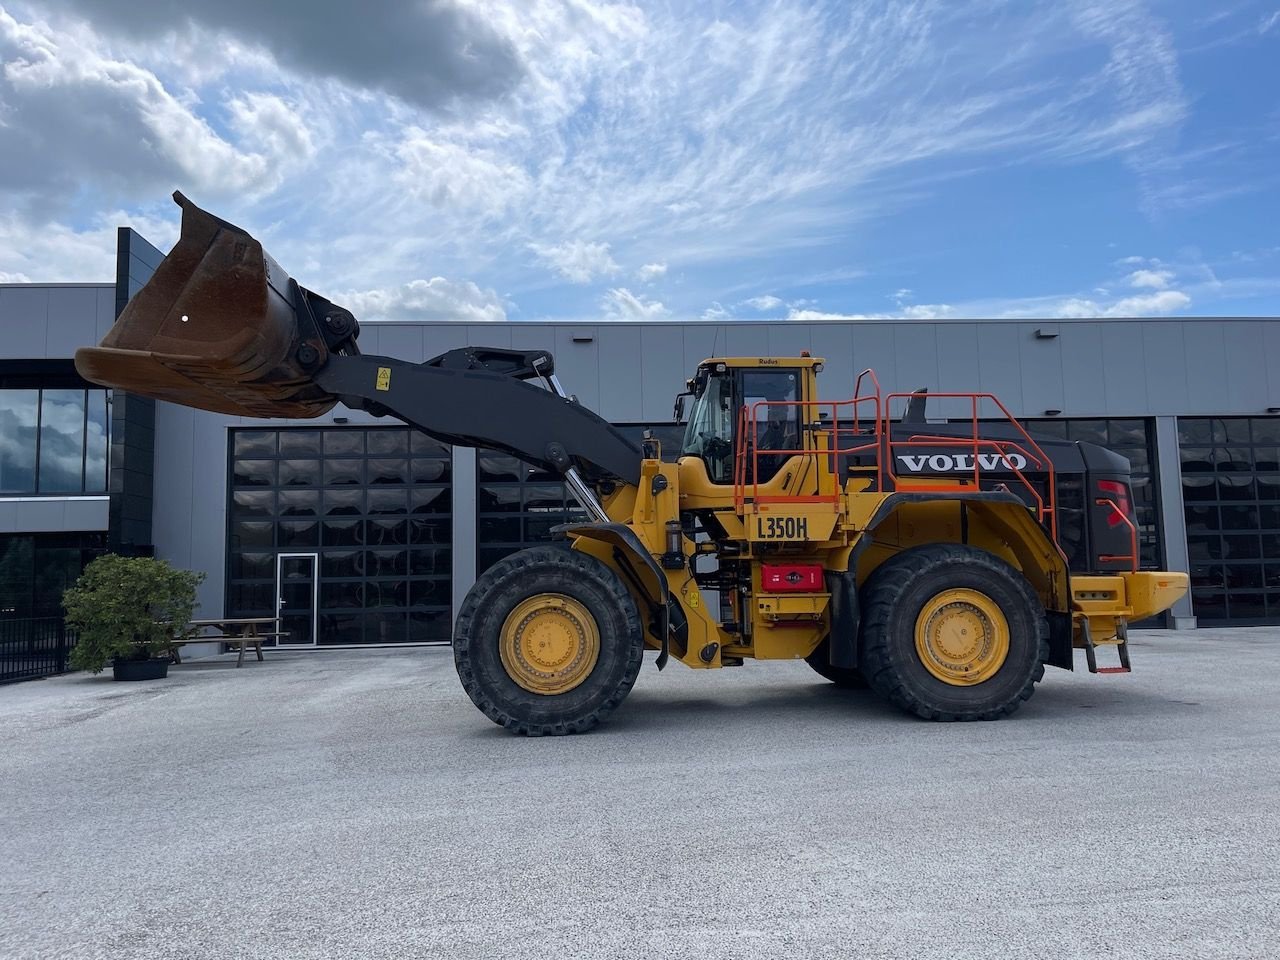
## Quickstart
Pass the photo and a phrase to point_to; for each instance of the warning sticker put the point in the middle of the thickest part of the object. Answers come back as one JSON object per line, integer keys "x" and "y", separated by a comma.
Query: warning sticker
{"x": 384, "y": 378}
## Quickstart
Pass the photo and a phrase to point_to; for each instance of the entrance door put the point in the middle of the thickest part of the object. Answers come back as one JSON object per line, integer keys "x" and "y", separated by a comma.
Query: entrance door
{"x": 297, "y": 596}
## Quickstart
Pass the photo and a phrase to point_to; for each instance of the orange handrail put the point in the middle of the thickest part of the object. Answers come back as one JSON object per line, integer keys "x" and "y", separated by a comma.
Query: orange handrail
{"x": 1133, "y": 535}
{"x": 880, "y": 439}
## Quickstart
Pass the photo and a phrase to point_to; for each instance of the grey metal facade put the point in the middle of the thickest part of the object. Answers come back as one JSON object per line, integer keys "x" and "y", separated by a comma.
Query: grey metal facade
{"x": 43, "y": 322}
{"x": 1156, "y": 369}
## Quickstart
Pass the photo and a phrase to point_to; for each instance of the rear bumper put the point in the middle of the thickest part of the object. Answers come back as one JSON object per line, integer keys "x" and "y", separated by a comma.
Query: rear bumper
{"x": 1106, "y": 601}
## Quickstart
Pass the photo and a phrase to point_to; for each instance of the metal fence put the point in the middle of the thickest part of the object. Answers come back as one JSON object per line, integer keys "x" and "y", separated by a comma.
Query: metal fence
{"x": 34, "y": 647}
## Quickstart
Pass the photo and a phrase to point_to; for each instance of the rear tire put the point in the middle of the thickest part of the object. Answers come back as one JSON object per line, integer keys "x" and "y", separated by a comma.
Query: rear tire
{"x": 486, "y": 642}
{"x": 950, "y": 632}
{"x": 847, "y": 678}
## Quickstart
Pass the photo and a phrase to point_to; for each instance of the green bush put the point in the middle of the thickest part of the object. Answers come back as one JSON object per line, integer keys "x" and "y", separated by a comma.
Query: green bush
{"x": 128, "y": 608}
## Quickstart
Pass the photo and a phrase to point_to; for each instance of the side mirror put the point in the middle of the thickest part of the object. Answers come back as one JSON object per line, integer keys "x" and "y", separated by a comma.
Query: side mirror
{"x": 677, "y": 414}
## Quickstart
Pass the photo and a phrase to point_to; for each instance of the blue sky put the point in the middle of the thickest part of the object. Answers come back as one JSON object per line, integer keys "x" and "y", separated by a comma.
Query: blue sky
{"x": 581, "y": 159}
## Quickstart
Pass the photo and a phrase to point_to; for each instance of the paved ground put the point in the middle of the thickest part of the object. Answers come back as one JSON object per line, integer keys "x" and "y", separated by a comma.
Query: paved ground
{"x": 352, "y": 805}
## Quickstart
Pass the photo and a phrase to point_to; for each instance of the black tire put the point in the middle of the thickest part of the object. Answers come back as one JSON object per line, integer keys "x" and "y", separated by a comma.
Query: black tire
{"x": 892, "y": 600}
{"x": 847, "y": 678}
{"x": 542, "y": 569}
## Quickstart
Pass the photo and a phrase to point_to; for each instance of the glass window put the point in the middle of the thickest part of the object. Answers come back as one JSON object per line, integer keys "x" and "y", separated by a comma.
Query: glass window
{"x": 19, "y": 417}
{"x": 298, "y": 533}
{"x": 97, "y": 442}
{"x": 429, "y": 624}
{"x": 61, "y": 441}
{"x": 299, "y": 503}
{"x": 709, "y": 433}
{"x": 1230, "y": 491}
{"x": 246, "y": 534}
{"x": 1092, "y": 431}
{"x": 386, "y": 530}
{"x": 35, "y": 569}
{"x": 252, "y": 503}
{"x": 343, "y": 473}
{"x": 388, "y": 501}
{"x": 343, "y": 503}
{"x": 299, "y": 473}
{"x": 254, "y": 443}
{"x": 387, "y": 442}
{"x": 341, "y": 443}
{"x": 1266, "y": 430}
{"x": 388, "y": 471}
{"x": 348, "y": 494}
{"x": 299, "y": 443}
{"x": 254, "y": 473}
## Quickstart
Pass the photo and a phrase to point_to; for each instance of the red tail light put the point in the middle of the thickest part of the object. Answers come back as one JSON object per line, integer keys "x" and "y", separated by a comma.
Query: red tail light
{"x": 1117, "y": 493}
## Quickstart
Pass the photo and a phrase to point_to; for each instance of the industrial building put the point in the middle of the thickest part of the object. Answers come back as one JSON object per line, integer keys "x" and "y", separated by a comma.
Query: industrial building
{"x": 360, "y": 531}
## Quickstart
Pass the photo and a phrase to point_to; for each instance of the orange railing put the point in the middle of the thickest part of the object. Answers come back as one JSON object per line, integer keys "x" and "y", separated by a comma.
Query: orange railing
{"x": 877, "y": 440}
{"x": 1133, "y": 556}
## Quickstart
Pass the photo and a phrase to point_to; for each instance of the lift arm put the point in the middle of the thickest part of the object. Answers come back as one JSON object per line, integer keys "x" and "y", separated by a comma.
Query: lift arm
{"x": 478, "y": 408}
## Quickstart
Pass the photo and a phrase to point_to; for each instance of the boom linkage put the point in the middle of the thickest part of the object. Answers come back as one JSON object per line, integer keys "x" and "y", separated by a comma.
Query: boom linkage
{"x": 459, "y": 399}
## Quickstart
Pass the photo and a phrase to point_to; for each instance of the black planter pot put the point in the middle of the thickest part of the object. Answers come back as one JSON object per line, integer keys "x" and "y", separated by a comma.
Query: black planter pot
{"x": 140, "y": 669}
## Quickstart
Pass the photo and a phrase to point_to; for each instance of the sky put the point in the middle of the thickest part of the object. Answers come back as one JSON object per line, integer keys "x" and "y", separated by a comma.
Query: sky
{"x": 513, "y": 160}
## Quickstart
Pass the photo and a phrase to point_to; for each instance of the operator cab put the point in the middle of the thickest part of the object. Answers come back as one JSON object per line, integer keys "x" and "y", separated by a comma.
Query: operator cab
{"x": 722, "y": 388}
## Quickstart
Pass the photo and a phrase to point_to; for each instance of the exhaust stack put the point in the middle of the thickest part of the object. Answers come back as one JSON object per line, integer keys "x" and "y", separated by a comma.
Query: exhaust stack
{"x": 220, "y": 326}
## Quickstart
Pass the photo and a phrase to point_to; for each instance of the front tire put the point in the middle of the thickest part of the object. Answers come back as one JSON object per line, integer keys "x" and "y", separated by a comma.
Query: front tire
{"x": 548, "y": 642}
{"x": 950, "y": 632}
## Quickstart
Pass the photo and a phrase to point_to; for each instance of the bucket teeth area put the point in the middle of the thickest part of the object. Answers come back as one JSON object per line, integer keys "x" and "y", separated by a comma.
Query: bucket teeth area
{"x": 216, "y": 327}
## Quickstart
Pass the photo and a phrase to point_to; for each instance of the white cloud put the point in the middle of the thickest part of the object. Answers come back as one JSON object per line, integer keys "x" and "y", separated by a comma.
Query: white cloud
{"x": 53, "y": 253}
{"x": 763, "y": 303}
{"x": 619, "y": 303}
{"x": 810, "y": 316}
{"x": 928, "y": 311}
{"x": 577, "y": 260}
{"x": 6, "y": 277}
{"x": 434, "y": 299}
{"x": 1160, "y": 303}
{"x": 1152, "y": 304}
{"x": 471, "y": 181}
{"x": 649, "y": 134}
{"x": 1266, "y": 24}
{"x": 716, "y": 311}
{"x": 1155, "y": 279}
{"x": 62, "y": 90}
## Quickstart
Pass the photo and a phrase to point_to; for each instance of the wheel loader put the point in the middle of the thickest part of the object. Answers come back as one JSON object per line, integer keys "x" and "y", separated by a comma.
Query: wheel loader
{"x": 944, "y": 565}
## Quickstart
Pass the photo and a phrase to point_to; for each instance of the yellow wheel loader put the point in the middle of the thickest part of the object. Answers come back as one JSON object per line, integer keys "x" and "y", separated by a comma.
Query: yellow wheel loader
{"x": 941, "y": 564}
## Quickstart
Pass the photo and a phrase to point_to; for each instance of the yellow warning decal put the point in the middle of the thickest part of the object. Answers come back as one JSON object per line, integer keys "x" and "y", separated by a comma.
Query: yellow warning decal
{"x": 384, "y": 378}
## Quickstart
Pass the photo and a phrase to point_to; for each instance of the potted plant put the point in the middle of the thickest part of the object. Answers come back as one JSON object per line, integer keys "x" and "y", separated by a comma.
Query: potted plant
{"x": 127, "y": 610}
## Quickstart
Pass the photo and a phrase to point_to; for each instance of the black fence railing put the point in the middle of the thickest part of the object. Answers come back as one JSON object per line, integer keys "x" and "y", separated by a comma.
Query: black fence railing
{"x": 34, "y": 647}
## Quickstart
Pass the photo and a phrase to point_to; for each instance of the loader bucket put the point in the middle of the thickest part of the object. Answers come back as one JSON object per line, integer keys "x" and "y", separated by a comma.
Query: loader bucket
{"x": 215, "y": 328}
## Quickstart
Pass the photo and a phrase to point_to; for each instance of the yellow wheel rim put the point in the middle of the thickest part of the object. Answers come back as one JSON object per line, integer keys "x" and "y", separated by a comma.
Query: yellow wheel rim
{"x": 549, "y": 644}
{"x": 962, "y": 637}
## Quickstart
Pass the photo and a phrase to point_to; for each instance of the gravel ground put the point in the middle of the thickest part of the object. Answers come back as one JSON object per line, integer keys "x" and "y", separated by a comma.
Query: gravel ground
{"x": 355, "y": 804}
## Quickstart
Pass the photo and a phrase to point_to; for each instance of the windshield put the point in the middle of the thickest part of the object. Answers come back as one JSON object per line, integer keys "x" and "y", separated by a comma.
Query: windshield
{"x": 709, "y": 434}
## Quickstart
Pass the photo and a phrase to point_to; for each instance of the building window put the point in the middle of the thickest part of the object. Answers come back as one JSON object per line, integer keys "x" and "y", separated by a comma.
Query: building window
{"x": 53, "y": 442}
{"x": 375, "y": 508}
{"x": 516, "y": 505}
{"x": 1231, "y": 496}
{"x": 36, "y": 568}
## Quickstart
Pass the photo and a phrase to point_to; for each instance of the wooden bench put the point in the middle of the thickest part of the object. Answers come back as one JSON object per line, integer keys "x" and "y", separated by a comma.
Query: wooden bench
{"x": 240, "y": 632}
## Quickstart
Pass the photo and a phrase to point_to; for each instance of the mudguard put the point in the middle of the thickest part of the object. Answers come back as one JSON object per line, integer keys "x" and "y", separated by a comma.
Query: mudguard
{"x": 639, "y": 567}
